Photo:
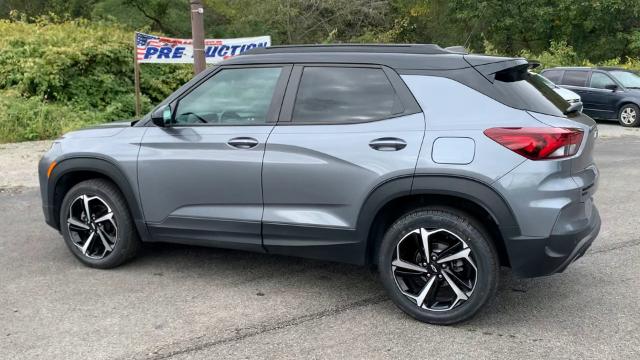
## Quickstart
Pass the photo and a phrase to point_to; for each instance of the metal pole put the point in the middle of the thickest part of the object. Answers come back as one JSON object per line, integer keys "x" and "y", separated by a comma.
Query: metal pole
{"x": 197, "y": 34}
{"x": 136, "y": 76}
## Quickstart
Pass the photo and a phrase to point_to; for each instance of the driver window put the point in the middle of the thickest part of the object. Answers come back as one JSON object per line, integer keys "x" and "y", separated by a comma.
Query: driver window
{"x": 600, "y": 80}
{"x": 232, "y": 96}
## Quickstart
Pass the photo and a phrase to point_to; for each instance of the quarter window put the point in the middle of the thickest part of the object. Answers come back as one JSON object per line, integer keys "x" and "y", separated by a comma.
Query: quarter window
{"x": 344, "y": 94}
{"x": 230, "y": 97}
{"x": 575, "y": 78}
{"x": 600, "y": 80}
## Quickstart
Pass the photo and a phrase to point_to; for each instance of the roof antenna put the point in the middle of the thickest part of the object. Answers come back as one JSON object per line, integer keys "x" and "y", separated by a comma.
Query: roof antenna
{"x": 473, "y": 29}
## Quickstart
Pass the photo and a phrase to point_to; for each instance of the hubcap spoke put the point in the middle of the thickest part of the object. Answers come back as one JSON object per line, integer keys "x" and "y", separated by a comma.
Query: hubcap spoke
{"x": 425, "y": 291}
{"x": 85, "y": 202}
{"x": 106, "y": 244}
{"x": 77, "y": 223}
{"x": 459, "y": 293}
{"x": 408, "y": 266}
{"x": 464, "y": 254}
{"x": 424, "y": 236}
{"x": 87, "y": 243}
{"x": 106, "y": 217}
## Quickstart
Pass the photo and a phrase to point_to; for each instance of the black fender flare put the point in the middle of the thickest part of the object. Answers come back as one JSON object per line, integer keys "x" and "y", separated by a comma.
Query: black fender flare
{"x": 107, "y": 169}
{"x": 466, "y": 188}
{"x": 624, "y": 101}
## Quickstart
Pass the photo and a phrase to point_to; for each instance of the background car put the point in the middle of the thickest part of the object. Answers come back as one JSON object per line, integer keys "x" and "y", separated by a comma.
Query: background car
{"x": 607, "y": 93}
{"x": 566, "y": 94}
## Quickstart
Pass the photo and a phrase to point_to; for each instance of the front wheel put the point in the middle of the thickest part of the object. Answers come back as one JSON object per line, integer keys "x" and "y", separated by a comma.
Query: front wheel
{"x": 438, "y": 265}
{"x": 629, "y": 115}
{"x": 96, "y": 224}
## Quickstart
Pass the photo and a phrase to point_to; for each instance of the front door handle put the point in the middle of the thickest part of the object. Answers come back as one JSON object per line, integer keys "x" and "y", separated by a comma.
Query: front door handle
{"x": 243, "y": 142}
{"x": 388, "y": 144}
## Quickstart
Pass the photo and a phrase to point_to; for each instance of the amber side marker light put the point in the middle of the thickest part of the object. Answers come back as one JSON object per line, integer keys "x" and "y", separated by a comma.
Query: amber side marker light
{"x": 53, "y": 165}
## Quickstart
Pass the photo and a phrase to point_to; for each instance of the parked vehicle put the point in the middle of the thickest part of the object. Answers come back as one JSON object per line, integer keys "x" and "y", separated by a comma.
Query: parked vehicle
{"x": 607, "y": 93}
{"x": 566, "y": 94}
{"x": 436, "y": 167}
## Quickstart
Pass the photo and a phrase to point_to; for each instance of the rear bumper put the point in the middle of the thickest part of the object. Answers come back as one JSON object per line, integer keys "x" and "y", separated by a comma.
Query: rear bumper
{"x": 532, "y": 257}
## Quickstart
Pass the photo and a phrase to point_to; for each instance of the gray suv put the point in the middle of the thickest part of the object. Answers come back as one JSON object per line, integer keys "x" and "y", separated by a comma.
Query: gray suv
{"x": 438, "y": 167}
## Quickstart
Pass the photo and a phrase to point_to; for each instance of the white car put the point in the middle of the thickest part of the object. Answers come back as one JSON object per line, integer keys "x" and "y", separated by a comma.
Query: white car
{"x": 566, "y": 94}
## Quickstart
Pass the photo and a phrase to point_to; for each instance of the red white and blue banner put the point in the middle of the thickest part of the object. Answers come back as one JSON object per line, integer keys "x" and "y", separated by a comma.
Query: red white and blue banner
{"x": 159, "y": 49}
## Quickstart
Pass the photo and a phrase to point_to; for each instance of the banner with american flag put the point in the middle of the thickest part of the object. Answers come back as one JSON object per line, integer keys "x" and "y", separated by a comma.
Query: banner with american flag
{"x": 160, "y": 49}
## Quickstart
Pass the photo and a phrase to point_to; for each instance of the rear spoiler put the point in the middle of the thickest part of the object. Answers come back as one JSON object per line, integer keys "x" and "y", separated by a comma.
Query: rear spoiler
{"x": 489, "y": 66}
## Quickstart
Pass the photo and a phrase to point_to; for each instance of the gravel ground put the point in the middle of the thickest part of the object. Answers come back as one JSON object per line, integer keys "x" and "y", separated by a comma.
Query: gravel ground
{"x": 19, "y": 163}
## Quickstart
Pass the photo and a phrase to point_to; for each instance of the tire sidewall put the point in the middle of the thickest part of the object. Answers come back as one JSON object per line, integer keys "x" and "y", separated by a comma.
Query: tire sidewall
{"x": 122, "y": 219}
{"x": 636, "y": 109}
{"x": 484, "y": 254}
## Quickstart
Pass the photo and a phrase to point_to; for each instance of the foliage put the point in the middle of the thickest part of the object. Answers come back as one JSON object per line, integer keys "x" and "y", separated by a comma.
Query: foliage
{"x": 68, "y": 73}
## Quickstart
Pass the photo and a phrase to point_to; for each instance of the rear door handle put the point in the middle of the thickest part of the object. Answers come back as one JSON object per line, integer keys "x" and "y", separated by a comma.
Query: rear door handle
{"x": 388, "y": 144}
{"x": 243, "y": 142}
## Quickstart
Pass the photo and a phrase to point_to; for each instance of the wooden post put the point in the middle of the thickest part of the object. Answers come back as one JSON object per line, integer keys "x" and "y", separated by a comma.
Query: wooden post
{"x": 136, "y": 76}
{"x": 197, "y": 36}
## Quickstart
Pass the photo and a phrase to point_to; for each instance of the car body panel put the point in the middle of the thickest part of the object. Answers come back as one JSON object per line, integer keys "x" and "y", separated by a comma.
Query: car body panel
{"x": 319, "y": 175}
{"x": 190, "y": 175}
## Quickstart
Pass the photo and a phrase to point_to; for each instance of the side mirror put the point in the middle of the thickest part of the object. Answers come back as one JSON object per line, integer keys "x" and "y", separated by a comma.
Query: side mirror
{"x": 162, "y": 116}
{"x": 612, "y": 87}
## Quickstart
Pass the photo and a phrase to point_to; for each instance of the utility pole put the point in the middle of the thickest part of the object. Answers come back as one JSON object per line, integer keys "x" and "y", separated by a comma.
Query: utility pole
{"x": 197, "y": 35}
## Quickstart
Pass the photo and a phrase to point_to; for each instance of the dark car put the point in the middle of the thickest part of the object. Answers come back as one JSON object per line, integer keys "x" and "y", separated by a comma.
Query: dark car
{"x": 607, "y": 93}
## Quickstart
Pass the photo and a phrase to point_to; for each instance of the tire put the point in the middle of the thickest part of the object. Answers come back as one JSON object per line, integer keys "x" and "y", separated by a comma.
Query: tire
{"x": 449, "y": 232}
{"x": 629, "y": 115}
{"x": 115, "y": 231}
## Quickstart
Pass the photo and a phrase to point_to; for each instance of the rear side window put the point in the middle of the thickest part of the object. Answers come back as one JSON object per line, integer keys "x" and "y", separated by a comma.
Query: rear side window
{"x": 522, "y": 90}
{"x": 600, "y": 80}
{"x": 575, "y": 78}
{"x": 344, "y": 94}
{"x": 553, "y": 75}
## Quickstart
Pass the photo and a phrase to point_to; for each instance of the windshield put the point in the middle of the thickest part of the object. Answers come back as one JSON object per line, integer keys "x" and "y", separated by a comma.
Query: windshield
{"x": 626, "y": 78}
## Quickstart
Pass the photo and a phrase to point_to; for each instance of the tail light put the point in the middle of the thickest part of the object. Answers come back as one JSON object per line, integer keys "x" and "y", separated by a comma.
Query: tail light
{"x": 538, "y": 143}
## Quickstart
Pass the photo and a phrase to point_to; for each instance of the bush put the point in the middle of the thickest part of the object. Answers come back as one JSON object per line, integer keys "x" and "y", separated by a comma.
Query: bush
{"x": 58, "y": 75}
{"x": 561, "y": 54}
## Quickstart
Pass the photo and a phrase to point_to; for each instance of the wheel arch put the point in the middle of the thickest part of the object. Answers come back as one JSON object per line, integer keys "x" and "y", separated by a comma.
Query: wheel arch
{"x": 71, "y": 171}
{"x": 392, "y": 199}
{"x": 626, "y": 101}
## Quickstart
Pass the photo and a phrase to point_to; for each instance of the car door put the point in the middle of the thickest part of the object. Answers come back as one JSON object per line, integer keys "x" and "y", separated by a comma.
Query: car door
{"x": 344, "y": 130}
{"x": 576, "y": 81}
{"x": 600, "y": 100}
{"x": 200, "y": 176}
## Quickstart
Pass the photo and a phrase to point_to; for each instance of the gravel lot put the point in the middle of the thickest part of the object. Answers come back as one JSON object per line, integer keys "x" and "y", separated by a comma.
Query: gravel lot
{"x": 197, "y": 303}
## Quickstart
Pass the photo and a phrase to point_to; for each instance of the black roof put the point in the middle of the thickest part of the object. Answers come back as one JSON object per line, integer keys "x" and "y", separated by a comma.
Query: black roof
{"x": 397, "y": 56}
{"x": 426, "y": 49}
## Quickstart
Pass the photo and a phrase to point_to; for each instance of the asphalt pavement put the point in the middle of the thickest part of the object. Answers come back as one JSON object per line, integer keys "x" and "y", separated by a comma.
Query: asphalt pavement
{"x": 182, "y": 302}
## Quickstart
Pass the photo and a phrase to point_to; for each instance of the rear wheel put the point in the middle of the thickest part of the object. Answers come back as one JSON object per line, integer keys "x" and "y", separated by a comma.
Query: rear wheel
{"x": 96, "y": 224}
{"x": 629, "y": 115}
{"x": 438, "y": 265}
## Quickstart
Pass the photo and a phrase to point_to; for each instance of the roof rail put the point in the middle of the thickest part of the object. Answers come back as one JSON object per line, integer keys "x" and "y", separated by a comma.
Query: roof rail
{"x": 429, "y": 49}
{"x": 459, "y": 49}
